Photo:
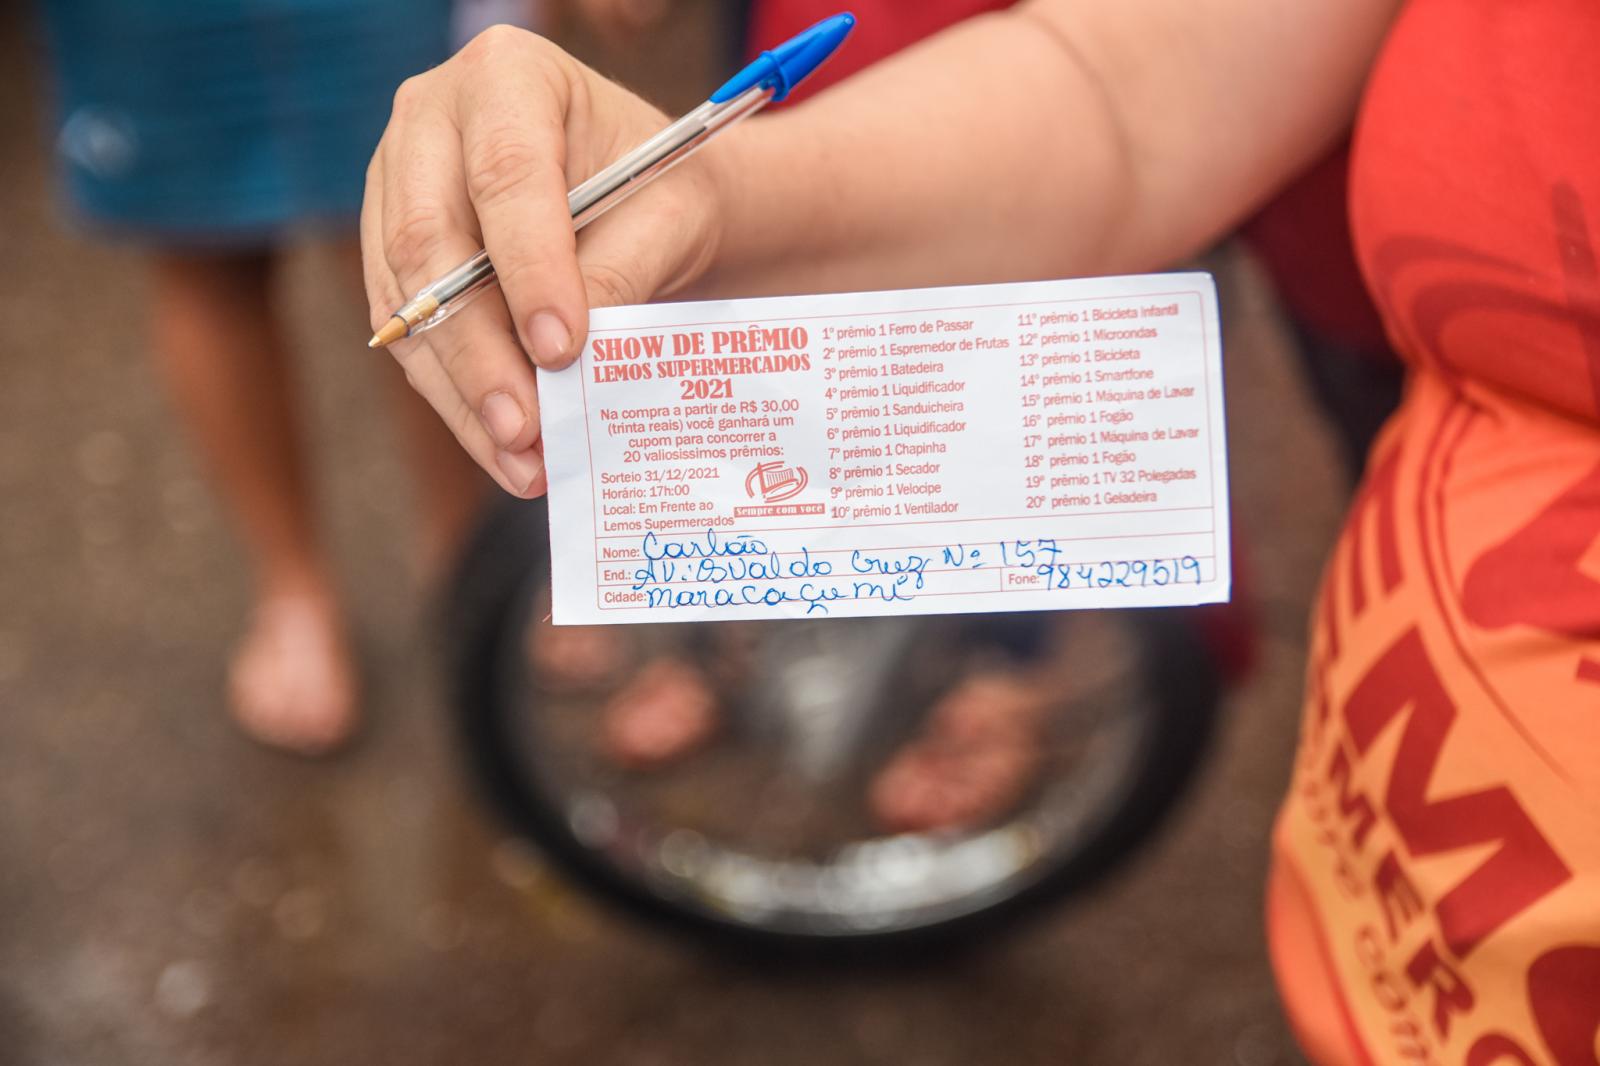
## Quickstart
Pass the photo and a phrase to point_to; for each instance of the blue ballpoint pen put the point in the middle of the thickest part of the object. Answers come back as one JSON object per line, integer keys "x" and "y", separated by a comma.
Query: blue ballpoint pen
{"x": 768, "y": 78}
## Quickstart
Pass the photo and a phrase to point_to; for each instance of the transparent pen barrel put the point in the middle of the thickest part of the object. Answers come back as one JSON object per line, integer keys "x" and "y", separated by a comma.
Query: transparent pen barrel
{"x": 600, "y": 193}
{"x": 609, "y": 187}
{"x": 456, "y": 289}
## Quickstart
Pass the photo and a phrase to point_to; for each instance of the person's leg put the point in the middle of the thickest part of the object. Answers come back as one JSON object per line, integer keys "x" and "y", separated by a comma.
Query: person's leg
{"x": 450, "y": 487}
{"x": 222, "y": 349}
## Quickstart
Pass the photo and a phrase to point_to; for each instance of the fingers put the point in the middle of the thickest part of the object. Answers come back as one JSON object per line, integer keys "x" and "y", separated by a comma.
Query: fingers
{"x": 383, "y": 292}
{"x": 482, "y": 358}
{"x": 519, "y": 471}
{"x": 427, "y": 220}
{"x": 480, "y": 146}
{"x": 513, "y": 148}
{"x": 472, "y": 372}
{"x": 647, "y": 248}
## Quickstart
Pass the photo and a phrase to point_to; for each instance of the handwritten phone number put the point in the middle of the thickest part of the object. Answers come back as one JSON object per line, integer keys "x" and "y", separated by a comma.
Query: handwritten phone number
{"x": 1040, "y": 557}
{"x": 745, "y": 571}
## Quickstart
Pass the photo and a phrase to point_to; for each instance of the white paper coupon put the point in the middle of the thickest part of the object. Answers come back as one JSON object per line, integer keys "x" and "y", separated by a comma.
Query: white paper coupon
{"x": 1034, "y": 446}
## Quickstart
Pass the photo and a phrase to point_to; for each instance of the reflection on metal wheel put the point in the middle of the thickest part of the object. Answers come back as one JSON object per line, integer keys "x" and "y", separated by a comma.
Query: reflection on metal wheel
{"x": 767, "y": 834}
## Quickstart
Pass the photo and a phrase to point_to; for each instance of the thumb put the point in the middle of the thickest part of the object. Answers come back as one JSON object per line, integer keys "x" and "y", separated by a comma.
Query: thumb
{"x": 649, "y": 248}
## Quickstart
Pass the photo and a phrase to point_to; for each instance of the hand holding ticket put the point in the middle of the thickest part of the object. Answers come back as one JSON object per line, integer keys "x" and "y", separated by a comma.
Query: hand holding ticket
{"x": 1032, "y": 446}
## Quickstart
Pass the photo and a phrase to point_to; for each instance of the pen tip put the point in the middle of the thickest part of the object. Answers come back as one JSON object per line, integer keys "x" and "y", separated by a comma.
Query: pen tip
{"x": 388, "y": 333}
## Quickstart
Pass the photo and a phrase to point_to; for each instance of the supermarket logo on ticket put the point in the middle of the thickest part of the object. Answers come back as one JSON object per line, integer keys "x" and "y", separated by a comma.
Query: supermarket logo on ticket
{"x": 1034, "y": 446}
{"x": 771, "y": 483}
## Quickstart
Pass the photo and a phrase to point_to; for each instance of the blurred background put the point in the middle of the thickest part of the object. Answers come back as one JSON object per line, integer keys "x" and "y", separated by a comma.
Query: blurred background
{"x": 172, "y": 893}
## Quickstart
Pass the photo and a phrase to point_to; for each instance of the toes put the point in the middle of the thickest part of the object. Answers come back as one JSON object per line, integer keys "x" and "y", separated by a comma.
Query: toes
{"x": 975, "y": 760}
{"x": 665, "y": 713}
{"x": 577, "y": 656}
{"x": 291, "y": 685}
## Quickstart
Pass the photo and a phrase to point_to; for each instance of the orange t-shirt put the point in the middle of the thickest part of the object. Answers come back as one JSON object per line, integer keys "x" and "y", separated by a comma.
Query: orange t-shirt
{"x": 1436, "y": 885}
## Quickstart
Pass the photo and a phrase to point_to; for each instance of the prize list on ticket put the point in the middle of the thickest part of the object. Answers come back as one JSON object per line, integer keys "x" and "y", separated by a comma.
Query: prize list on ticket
{"x": 1033, "y": 446}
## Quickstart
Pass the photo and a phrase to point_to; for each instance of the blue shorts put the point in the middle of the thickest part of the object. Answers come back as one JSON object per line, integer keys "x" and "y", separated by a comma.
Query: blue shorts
{"x": 228, "y": 121}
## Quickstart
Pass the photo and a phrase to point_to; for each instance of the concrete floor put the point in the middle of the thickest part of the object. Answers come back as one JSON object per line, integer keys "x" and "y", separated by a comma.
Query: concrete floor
{"x": 172, "y": 894}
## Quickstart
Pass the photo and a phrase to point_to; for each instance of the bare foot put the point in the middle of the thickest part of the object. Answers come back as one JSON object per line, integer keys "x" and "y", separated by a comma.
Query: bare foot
{"x": 570, "y": 659}
{"x": 664, "y": 713}
{"x": 975, "y": 759}
{"x": 292, "y": 683}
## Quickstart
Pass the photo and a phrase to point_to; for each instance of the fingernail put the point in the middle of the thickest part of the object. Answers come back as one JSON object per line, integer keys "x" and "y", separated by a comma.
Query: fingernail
{"x": 521, "y": 467}
{"x": 550, "y": 337}
{"x": 504, "y": 418}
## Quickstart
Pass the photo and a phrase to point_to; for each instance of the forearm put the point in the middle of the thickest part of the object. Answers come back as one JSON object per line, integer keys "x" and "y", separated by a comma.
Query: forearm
{"x": 1057, "y": 139}
{"x": 1063, "y": 137}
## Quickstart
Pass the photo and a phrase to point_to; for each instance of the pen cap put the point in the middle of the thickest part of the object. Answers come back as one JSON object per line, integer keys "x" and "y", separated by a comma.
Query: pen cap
{"x": 787, "y": 65}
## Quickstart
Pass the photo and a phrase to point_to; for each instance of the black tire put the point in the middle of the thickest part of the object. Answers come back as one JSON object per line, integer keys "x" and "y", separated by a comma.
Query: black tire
{"x": 506, "y": 556}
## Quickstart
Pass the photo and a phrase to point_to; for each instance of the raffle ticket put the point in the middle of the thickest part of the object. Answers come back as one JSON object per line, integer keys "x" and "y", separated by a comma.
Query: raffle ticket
{"x": 1030, "y": 446}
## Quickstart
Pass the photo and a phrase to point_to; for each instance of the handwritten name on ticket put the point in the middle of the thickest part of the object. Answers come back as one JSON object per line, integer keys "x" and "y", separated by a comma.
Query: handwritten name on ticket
{"x": 1020, "y": 447}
